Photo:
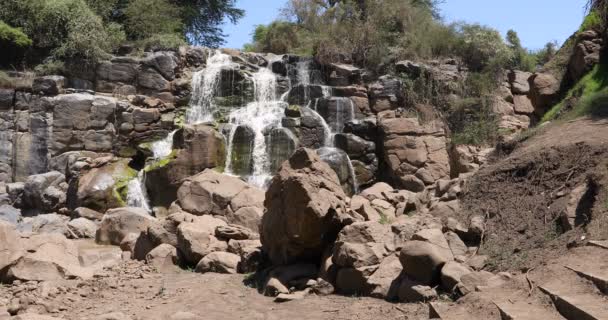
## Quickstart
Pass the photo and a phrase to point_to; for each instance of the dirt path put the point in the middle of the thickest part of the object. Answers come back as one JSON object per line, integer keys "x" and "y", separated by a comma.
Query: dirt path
{"x": 135, "y": 291}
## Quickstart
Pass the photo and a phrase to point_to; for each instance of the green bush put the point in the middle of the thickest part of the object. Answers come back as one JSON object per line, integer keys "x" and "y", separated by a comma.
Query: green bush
{"x": 595, "y": 105}
{"x": 13, "y": 36}
{"x": 593, "y": 21}
{"x": 148, "y": 18}
{"x": 168, "y": 41}
{"x": 473, "y": 122}
{"x": 481, "y": 46}
{"x": 51, "y": 67}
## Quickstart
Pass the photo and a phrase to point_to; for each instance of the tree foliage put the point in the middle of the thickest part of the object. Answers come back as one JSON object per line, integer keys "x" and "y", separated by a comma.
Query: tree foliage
{"x": 89, "y": 29}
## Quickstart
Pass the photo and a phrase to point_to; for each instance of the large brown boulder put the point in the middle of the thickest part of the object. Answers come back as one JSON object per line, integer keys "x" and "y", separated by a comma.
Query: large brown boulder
{"x": 118, "y": 223}
{"x": 210, "y": 192}
{"x": 103, "y": 187}
{"x": 305, "y": 209}
{"x": 415, "y": 154}
{"x": 45, "y": 257}
{"x": 544, "y": 90}
{"x": 10, "y": 249}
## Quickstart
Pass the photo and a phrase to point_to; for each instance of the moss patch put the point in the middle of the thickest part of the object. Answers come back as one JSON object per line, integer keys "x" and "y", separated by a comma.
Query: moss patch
{"x": 121, "y": 186}
{"x": 162, "y": 162}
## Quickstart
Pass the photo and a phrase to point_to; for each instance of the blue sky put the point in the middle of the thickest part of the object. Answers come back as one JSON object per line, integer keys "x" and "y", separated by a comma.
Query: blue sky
{"x": 536, "y": 21}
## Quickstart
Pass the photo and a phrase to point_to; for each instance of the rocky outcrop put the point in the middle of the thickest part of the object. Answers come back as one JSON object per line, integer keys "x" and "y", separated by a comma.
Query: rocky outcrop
{"x": 195, "y": 148}
{"x": 305, "y": 209}
{"x": 586, "y": 54}
{"x": 415, "y": 154}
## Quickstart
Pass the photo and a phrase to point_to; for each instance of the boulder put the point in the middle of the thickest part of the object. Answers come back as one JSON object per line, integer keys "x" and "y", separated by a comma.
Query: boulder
{"x": 384, "y": 282}
{"x": 377, "y": 191}
{"x": 81, "y": 228}
{"x": 165, "y": 62}
{"x": 163, "y": 258}
{"x": 422, "y": 261}
{"x": 44, "y": 193}
{"x": 196, "y": 240}
{"x": 305, "y": 209}
{"x": 544, "y": 90}
{"x": 435, "y": 237}
{"x": 47, "y": 257}
{"x": 415, "y": 154}
{"x": 519, "y": 81}
{"x": 351, "y": 281}
{"x": 248, "y": 217}
{"x": 451, "y": 273}
{"x": 50, "y": 223}
{"x": 209, "y": 192}
{"x": 48, "y": 85}
{"x": 10, "y": 214}
{"x": 522, "y": 105}
{"x": 586, "y": 54}
{"x": 411, "y": 291}
{"x": 118, "y": 223}
{"x": 104, "y": 186}
{"x": 82, "y": 212}
{"x": 363, "y": 244}
{"x": 220, "y": 262}
{"x": 235, "y": 232}
{"x": 10, "y": 246}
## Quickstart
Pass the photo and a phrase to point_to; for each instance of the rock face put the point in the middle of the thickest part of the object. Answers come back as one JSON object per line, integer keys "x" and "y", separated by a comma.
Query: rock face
{"x": 305, "y": 209}
{"x": 196, "y": 148}
{"x": 586, "y": 54}
{"x": 415, "y": 154}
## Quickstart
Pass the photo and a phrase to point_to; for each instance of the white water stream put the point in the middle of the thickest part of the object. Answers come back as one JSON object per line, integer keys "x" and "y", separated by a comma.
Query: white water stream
{"x": 265, "y": 112}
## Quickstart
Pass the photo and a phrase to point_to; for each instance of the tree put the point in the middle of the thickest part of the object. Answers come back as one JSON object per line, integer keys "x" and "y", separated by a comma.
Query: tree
{"x": 203, "y": 18}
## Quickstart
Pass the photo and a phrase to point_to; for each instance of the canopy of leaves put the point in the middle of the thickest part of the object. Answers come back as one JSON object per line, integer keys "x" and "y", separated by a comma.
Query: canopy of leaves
{"x": 89, "y": 29}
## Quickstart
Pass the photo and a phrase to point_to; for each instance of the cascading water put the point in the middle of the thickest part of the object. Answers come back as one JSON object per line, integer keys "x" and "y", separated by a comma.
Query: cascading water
{"x": 265, "y": 112}
{"x": 162, "y": 148}
{"x": 205, "y": 85}
{"x": 329, "y": 132}
{"x": 136, "y": 193}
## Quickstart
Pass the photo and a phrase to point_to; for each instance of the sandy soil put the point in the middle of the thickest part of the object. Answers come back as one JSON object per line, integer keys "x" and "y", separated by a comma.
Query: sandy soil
{"x": 141, "y": 293}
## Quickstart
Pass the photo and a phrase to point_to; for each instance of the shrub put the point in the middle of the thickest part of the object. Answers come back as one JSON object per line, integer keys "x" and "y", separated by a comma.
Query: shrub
{"x": 167, "y": 41}
{"x": 50, "y": 67}
{"x": 148, "y": 18}
{"x": 593, "y": 21}
{"x": 481, "y": 46}
{"x": 13, "y": 36}
{"x": 473, "y": 122}
{"x": 13, "y": 44}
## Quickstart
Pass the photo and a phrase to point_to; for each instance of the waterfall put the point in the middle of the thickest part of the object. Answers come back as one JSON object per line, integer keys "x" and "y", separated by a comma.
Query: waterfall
{"x": 205, "y": 86}
{"x": 136, "y": 193}
{"x": 264, "y": 113}
{"x": 162, "y": 148}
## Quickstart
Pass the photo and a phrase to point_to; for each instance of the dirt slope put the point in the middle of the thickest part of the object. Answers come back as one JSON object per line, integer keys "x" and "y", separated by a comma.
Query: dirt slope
{"x": 524, "y": 193}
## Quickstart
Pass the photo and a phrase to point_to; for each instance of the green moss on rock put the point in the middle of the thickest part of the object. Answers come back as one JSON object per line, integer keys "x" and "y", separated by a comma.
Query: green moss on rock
{"x": 121, "y": 185}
